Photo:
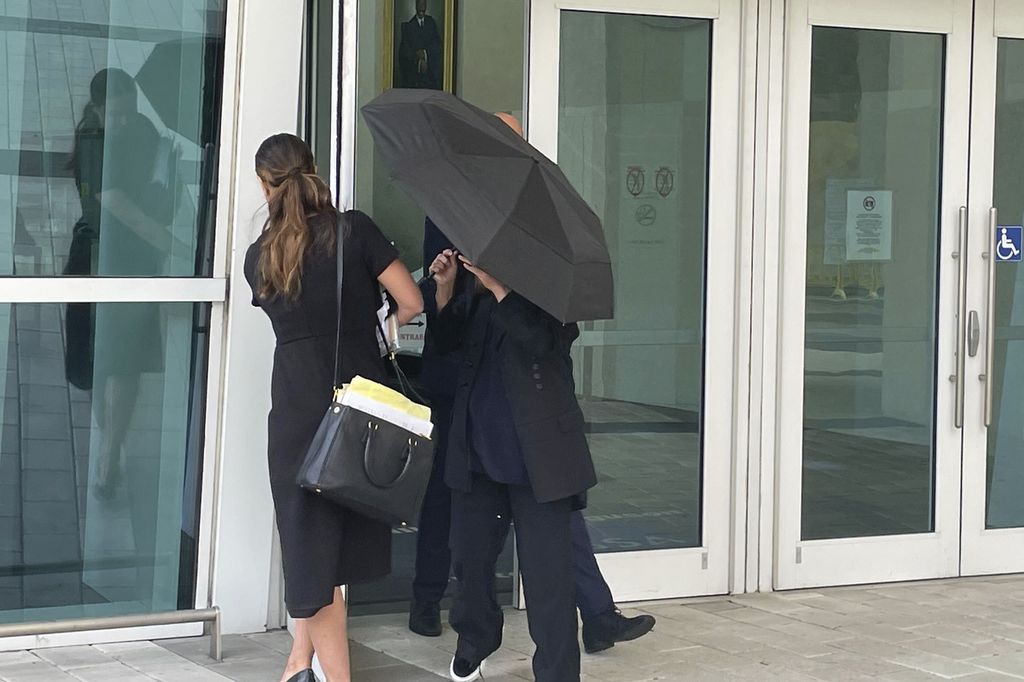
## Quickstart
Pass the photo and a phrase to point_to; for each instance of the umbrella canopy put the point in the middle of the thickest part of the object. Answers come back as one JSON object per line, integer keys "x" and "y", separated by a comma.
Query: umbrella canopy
{"x": 503, "y": 204}
{"x": 179, "y": 79}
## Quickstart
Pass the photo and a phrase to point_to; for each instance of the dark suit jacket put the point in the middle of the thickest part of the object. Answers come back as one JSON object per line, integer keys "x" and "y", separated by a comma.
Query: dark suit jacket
{"x": 537, "y": 372}
{"x": 440, "y": 370}
{"x": 415, "y": 37}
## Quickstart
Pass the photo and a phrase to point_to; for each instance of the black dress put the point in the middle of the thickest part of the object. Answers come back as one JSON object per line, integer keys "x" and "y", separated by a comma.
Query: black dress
{"x": 322, "y": 545}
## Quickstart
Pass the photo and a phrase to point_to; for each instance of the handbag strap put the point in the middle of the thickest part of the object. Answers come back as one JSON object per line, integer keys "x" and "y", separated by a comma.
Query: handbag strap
{"x": 339, "y": 249}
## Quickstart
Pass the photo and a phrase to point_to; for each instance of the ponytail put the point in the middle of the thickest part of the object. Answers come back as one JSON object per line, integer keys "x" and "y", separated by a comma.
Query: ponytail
{"x": 296, "y": 193}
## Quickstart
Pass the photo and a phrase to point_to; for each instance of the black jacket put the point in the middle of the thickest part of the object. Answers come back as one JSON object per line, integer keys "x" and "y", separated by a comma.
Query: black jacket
{"x": 440, "y": 370}
{"x": 428, "y": 38}
{"x": 537, "y": 373}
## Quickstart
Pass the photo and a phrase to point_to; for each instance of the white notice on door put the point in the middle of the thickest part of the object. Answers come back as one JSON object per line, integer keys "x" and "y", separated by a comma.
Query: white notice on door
{"x": 868, "y": 225}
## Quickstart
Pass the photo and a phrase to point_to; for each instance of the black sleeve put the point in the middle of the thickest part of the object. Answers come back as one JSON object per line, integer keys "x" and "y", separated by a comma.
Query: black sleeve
{"x": 428, "y": 289}
{"x": 376, "y": 251}
{"x": 434, "y": 242}
{"x": 249, "y": 269}
{"x": 448, "y": 326}
{"x": 532, "y": 328}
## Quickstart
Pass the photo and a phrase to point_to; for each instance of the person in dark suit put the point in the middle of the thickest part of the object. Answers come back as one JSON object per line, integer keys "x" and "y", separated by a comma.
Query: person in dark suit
{"x": 603, "y": 623}
{"x": 516, "y": 451}
{"x": 438, "y": 378}
{"x": 420, "y": 52}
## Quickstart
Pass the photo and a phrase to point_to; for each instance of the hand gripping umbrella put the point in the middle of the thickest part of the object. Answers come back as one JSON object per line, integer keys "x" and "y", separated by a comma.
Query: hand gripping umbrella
{"x": 501, "y": 202}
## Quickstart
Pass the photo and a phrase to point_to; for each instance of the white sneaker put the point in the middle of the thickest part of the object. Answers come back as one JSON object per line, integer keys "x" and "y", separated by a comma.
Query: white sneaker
{"x": 475, "y": 675}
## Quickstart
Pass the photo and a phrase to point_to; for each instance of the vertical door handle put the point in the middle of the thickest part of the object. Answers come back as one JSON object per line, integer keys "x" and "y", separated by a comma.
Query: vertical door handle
{"x": 990, "y": 313}
{"x": 961, "y": 313}
{"x": 973, "y": 333}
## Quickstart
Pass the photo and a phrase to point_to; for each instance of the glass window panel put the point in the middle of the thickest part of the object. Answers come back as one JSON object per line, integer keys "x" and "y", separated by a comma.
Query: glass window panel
{"x": 108, "y": 137}
{"x": 487, "y": 60}
{"x": 1005, "y": 508}
{"x": 633, "y": 138}
{"x": 100, "y": 457}
{"x": 319, "y": 67}
{"x": 872, "y": 245}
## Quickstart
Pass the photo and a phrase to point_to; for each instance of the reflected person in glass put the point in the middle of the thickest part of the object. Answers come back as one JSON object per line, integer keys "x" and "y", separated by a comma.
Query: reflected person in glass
{"x": 123, "y": 231}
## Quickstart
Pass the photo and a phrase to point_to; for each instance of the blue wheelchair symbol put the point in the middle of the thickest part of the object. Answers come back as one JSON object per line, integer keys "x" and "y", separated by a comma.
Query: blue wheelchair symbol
{"x": 1008, "y": 243}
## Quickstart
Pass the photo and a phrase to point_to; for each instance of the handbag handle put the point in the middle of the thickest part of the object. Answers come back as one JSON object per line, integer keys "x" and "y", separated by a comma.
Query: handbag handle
{"x": 371, "y": 429}
{"x": 339, "y": 249}
{"x": 404, "y": 385}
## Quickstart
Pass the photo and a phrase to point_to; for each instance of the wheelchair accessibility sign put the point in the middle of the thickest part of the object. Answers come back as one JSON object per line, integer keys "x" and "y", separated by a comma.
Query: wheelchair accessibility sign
{"x": 1008, "y": 243}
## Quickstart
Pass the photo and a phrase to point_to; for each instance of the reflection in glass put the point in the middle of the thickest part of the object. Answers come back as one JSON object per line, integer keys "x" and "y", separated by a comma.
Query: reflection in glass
{"x": 872, "y": 246}
{"x": 633, "y": 138}
{"x": 1005, "y": 508}
{"x": 107, "y": 162}
{"x": 100, "y": 460}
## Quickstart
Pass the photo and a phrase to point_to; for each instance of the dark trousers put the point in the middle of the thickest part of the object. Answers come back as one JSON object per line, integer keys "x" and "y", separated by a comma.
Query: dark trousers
{"x": 593, "y": 597}
{"x": 480, "y": 525}
{"x": 433, "y": 557}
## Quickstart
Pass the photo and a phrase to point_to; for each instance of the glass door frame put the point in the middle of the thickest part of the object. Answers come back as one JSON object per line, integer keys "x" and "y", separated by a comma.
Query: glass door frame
{"x": 212, "y": 290}
{"x": 798, "y": 563}
{"x": 669, "y": 573}
{"x": 984, "y": 551}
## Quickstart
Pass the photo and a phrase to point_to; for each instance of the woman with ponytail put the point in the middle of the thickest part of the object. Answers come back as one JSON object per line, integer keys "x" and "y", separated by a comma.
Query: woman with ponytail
{"x": 292, "y": 271}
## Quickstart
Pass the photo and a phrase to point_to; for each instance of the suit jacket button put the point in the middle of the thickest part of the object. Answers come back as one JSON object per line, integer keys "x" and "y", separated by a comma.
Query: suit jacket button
{"x": 536, "y": 376}
{"x": 540, "y": 387}
{"x": 536, "y": 366}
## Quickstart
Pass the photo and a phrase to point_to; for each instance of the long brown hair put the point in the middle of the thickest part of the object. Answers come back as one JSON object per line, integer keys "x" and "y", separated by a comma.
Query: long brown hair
{"x": 285, "y": 163}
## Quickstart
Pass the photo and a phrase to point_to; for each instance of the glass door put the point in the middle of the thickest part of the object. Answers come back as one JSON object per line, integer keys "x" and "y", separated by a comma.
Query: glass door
{"x": 112, "y": 295}
{"x": 873, "y": 314}
{"x": 993, "y": 514}
{"x": 640, "y": 108}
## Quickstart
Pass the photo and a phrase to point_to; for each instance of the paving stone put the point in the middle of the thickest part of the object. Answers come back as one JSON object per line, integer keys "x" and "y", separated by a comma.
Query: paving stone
{"x": 881, "y": 631}
{"x": 71, "y": 657}
{"x": 108, "y": 672}
{"x": 940, "y": 647}
{"x": 937, "y": 665}
{"x": 14, "y": 658}
{"x": 35, "y": 671}
{"x": 1012, "y": 664}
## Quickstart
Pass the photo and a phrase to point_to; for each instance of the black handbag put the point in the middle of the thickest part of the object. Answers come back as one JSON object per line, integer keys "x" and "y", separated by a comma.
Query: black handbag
{"x": 80, "y": 318}
{"x": 365, "y": 462}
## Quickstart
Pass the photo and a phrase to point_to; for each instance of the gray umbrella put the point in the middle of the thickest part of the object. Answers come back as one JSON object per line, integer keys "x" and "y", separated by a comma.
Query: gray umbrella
{"x": 501, "y": 202}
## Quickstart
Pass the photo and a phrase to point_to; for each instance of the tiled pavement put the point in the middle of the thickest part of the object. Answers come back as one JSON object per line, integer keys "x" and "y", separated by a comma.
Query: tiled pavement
{"x": 970, "y": 629}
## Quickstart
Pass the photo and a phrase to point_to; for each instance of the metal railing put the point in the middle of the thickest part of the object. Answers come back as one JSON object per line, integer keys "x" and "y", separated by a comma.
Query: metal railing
{"x": 210, "y": 618}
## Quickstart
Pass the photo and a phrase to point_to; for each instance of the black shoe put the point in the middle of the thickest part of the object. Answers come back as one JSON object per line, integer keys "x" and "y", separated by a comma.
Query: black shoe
{"x": 425, "y": 618}
{"x": 602, "y": 632}
{"x": 304, "y": 676}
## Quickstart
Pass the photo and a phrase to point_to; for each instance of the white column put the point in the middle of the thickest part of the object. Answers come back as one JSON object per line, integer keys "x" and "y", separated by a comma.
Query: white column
{"x": 268, "y": 97}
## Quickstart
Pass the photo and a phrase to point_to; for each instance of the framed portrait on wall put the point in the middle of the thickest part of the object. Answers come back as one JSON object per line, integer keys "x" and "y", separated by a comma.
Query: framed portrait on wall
{"x": 419, "y": 44}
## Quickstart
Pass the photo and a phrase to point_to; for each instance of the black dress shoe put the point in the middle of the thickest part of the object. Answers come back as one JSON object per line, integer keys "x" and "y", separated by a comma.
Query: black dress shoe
{"x": 304, "y": 676}
{"x": 602, "y": 632}
{"x": 425, "y": 618}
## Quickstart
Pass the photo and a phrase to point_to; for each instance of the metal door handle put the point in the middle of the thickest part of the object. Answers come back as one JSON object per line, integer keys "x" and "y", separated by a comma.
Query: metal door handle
{"x": 973, "y": 333}
{"x": 990, "y": 314}
{"x": 961, "y": 314}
